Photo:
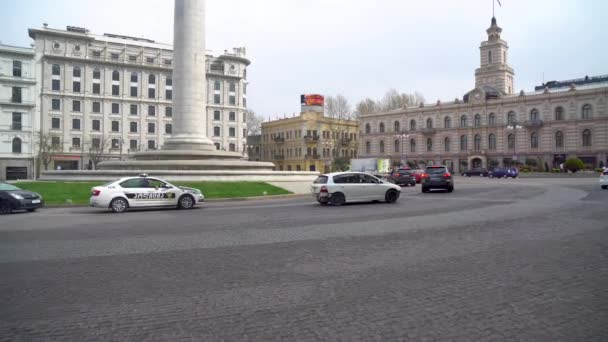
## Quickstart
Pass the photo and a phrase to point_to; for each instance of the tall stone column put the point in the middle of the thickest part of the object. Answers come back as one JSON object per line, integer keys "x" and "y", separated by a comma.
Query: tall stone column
{"x": 189, "y": 78}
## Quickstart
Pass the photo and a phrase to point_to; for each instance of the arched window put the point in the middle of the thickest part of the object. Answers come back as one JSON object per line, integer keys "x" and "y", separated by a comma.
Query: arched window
{"x": 587, "y": 111}
{"x": 446, "y": 144}
{"x": 396, "y": 146}
{"x": 477, "y": 142}
{"x": 412, "y": 145}
{"x": 397, "y": 126}
{"x": 429, "y": 123}
{"x": 56, "y": 69}
{"x": 134, "y": 77}
{"x": 381, "y": 127}
{"x": 477, "y": 120}
{"x": 16, "y": 145}
{"x": 491, "y": 142}
{"x": 511, "y": 141}
{"x": 381, "y": 145}
{"x": 115, "y": 75}
{"x": 559, "y": 113}
{"x": 490, "y": 57}
{"x": 429, "y": 145}
{"x": 492, "y": 119}
{"x": 511, "y": 118}
{"x": 463, "y": 143}
{"x": 368, "y": 128}
{"x": 534, "y": 140}
{"x": 368, "y": 147}
{"x": 76, "y": 71}
{"x": 151, "y": 79}
{"x": 586, "y": 138}
{"x": 463, "y": 121}
{"x": 412, "y": 125}
{"x": 534, "y": 115}
{"x": 559, "y": 139}
{"x": 447, "y": 122}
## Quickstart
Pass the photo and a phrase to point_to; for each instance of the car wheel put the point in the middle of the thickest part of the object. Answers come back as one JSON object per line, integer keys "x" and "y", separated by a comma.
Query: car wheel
{"x": 491, "y": 176}
{"x": 604, "y": 187}
{"x": 5, "y": 208}
{"x": 119, "y": 205}
{"x": 185, "y": 202}
{"x": 338, "y": 198}
{"x": 322, "y": 203}
{"x": 425, "y": 189}
{"x": 450, "y": 188}
{"x": 31, "y": 210}
{"x": 391, "y": 196}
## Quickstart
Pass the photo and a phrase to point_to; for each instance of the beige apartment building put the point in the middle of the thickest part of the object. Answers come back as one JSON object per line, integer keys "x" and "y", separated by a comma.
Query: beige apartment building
{"x": 115, "y": 92}
{"x": 492, "y": 125}
{"x": 309, "y": 141}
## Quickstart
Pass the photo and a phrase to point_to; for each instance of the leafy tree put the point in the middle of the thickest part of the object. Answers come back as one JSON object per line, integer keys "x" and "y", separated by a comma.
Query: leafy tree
{"x": 254, "y": 123}
{"x": 574, "y": 164}
{"x": 338, "y": 107}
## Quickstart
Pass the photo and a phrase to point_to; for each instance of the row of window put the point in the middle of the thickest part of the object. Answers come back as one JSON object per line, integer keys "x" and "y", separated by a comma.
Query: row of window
{"x": 217, "y": 132}
{"x": 558, "y": 139}
{"x": 586, "y": 113}
{"x": 217, "y": 116}
{"x": 99, "y": 143}
{"x": 309, "y": 133}
{"x": 115, "y": 107}
{"x": 115, "y": 126}
{"x": 96, "y": 89}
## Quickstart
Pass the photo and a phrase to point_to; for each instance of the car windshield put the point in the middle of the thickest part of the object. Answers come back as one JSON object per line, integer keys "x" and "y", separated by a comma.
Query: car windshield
{"x": 321, "y": 180}
{"x": 8, "y": 187}
{"x": 435, "y": 170}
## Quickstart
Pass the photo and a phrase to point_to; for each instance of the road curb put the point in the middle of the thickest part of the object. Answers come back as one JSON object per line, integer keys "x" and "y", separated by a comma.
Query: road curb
{"x": 211, "y": 200}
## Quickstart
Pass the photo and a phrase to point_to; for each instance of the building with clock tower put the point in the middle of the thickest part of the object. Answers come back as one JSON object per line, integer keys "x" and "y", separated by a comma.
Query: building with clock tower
{"x": 492, "y": 125}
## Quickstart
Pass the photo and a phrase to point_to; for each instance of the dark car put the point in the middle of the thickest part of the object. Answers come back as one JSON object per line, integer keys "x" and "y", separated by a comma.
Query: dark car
{"x": 403, "y": 177}
{"x": 13, "y": 198}
{"x": 437, "y": 177}
{"x": 476, "y": 172}
{"x": 503, "y": 172}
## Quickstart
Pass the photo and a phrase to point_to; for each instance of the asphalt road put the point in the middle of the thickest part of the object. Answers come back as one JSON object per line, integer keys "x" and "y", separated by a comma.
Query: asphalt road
{"x": 495, "y": 260}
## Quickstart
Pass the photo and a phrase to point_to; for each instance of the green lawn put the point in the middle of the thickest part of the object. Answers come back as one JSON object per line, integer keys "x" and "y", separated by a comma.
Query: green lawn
{"x": 79, "y": 192}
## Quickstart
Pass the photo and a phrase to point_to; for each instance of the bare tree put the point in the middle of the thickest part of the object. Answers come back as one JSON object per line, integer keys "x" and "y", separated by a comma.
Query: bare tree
{"x": 46, "y": 149}
{"x": 254, "y": 123}
{"x": 338, "y": 107}
{"x": 96, "y": 150}
{"x": 366, "y": 106}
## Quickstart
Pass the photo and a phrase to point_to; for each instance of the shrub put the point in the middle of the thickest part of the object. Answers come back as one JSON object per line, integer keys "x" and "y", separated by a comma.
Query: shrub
{"x": 554, "y": 170}
{"x": 531, "y": 162}
{"x": 524, "y": 168}
{"x": 599, "y": 170}
{"x": 574, "y": 164}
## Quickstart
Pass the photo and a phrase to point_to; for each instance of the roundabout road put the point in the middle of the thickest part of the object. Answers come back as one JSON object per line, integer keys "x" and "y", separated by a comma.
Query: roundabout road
{"x": 496, "y": 259}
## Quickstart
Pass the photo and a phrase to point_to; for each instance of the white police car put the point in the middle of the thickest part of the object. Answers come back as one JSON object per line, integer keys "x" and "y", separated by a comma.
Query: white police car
{"x": 143, "y": 191}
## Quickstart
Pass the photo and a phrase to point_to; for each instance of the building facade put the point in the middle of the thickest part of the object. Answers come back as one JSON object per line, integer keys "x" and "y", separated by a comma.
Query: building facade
{"x": 18, "y": 115}
{"x": 309, "y": 141}
{"x": 106, "y": 96}
{"x": 492, "y": 126}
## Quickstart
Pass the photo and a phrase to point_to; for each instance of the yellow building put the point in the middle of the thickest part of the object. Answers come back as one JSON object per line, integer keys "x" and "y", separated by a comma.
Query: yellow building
{"x": 309, "y": 141}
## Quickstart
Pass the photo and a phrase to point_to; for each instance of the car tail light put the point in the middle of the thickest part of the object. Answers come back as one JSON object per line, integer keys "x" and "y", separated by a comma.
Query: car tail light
{"x": 324, "y": 189}
{"x": 447, "y": 175}
{"x": 424, "y": 175}
{"x": 95, "y": 192}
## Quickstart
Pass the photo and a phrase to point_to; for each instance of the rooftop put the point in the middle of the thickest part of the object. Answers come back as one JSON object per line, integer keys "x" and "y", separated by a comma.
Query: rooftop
{"x": 577, "y": 82}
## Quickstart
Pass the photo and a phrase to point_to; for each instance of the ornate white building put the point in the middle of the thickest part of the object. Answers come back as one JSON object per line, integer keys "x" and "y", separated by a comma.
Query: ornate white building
{"x": 492, "y": 125}
{"x": 18, "y": 115}
{"x": 115, "y": 92}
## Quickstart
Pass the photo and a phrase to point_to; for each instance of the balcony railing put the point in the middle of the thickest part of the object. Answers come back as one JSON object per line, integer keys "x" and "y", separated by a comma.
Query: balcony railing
{"x": 311, "y": 138}
{"x": 428, "y": 130}
{"x": 16, "y": 127}
{"x": 279, "y": 157}
{"x": 533, "y": 123}
{"x": 312, "y": 156}
{"x": 279, "y": 140}
{"x": 346, "y": 142}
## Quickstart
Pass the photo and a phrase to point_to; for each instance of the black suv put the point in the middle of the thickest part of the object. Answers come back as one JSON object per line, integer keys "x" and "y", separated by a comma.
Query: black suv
{"x": 437, "y": 177}
{"x": 403, "y": 177}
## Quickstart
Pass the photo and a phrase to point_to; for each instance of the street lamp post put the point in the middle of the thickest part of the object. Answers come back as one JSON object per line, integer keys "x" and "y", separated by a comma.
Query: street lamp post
{"x": 514, "y": 126}
{"x": 402, "y": 138}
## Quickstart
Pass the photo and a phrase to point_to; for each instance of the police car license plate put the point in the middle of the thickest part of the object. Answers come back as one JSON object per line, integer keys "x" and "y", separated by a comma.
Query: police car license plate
{"x": 36, "y": 201}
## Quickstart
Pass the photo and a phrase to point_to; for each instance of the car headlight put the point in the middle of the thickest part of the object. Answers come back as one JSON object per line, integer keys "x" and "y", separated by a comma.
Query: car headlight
{"x": 16, "y": 196}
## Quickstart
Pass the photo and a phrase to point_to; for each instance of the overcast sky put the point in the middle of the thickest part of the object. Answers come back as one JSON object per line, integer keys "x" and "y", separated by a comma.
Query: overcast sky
{"x": 354, "y": 47}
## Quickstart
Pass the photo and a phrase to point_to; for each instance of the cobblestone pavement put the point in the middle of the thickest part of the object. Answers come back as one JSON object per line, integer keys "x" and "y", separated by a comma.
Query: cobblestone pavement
{"x": 496, "y": 260}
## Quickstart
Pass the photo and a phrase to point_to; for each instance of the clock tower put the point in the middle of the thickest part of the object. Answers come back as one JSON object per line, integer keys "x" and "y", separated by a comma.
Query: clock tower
{"x": 494, "y": 71}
